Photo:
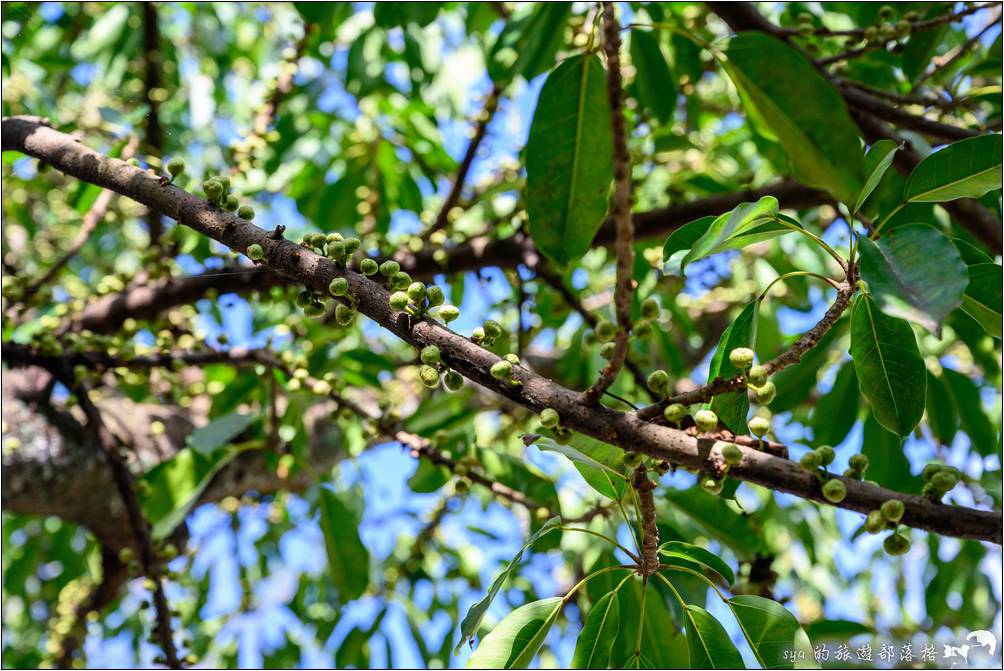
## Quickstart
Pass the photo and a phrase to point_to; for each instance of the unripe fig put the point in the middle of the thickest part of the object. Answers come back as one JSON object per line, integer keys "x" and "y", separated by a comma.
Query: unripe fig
{"x": 658, "y": 381}
{"x": 759, "y": 426}
{"x": 741, "y": 357}
{"x": 335, "y": 250}
{"x": 245, "y": 212}
{"x": 389, "y": 268}
{"x": 607, "y": 350}
{"x": 674, "y": 412}
{"x": 893, "y": 510}
{"x": 650, "y": 309}
{"x": 930, "y": 470}
{"x": 826, "y": 455}
{"x": 632, "y": 459}
{"x": 896, "y": 544}
{"x": 416, "y": 291}
{"x": 344, "y": 315}
{"x": 304, "y": 298}
{"x": 605, "y": 330}
{"x": 126, "y": 555}
{"x": 858, "y": 463}
{"x": 224, "y": 182}
{"x": 706, "y": 420}
{"x": 493, "y": 329}
{"x": 711, "y": 485}
{"x": 339, "y": 286}
{"x": 944, "y": 481}
{"x": 549, "y": 418}
{"x": 501, "y": 370}
{"x": 885, "y": 11}
{"x": 435, "y": 296}
{"x": 809, "y": 461}
{"x": 331, "y": 237}
{"x": 562, "y": 436}
{"x": 212, "y": 189}
{"x": 352, "y": 245}
{"x": 368, "y": 267}
{"x": 255, "y": 252}
{"x": 430, "y": 355}
{"x": 313, "y": 309}
{"x": 231, "y": 203}
{"x": 875, "y": 522}
{"x": 766, "y": 393}
{"x": 176, "y": 166}
{"x": 512, "y": 358}
{"x": 398, "y": 300}
{"x": 477, "y": 334}
{"x": 429, "y": 376}
{"x": 399, "y": 281}
{"x": 834, "y": 490}
{"x": 453, "y": 381}
{"x": 732, "y": 454}
{"x": 757, "y": 376}
{"x": 448, "y": 313}
{"x": 643, "y": 328}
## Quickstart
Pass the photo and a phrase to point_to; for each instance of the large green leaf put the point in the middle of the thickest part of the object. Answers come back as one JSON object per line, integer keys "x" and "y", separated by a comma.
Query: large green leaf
{"x": 783, "y": 91}
{"x": 598, "y": 463}
{"x": 888, "y": 465}
{"x": 982, "y": 300}
{"x": 348, "y": 558}
{"x": 733, "y": 406}
{"x": 899, "y": 272}
{"x": 527, "y": 45}
{"x": 592, "y": 648}
{"x": 472, "y": 620}
{"x": 725, "y": 229}
{"x": 942, "y": 417}
{"x": 653, "y": 82}
{"x": 718, "y": 519}
{"x": 984, "y": 437}
{"x": 568, "y": 164}
{"x": 692, "y": 554}
{"x": 709, "y": 644}
{"x": 965, "y": 169}
{"x": 219, "y": 432}
{"x": 877, "y": 162}
{"x": 777, "y": 639}
{"x": 889, "y": 367}
{"x": 514, "y": 642}
{"x": 662, "y": 644}
{"x": 835, "y": 413}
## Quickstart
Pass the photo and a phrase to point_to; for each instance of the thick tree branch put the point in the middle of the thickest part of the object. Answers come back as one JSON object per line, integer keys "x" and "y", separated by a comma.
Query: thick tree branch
{"x": 625, "y": 430}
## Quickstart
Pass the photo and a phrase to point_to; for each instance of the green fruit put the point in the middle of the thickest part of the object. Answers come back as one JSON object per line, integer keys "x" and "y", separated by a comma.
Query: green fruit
{"x": 741, "y": 357}
{"x": 501, "y": 370}
{"x": 562, "y": 436}
{"x": 313, "y": 309}
{"x": 430, "y": 355}
{"x": 331, "y": 237}
{"x": 126, "y": 555}
{"x": 344, "y": 315}
{"x": 658, "y": 381}
{"x": 453, "y": 381}
{"x": 605, "y": 330}
{"x": 390, "y": 268}
{"x": 650, "y": 309}
{"x": 416, "y": 291}
{"x": 896, "y": 544}
{"x": 398, "y": 300}
{"x": 858, "y": 463}
{"x": 212, "y": 189}
{"x": 435, "y": 296}
{"x": 352, "y": 246}
{"x": 893, "y": 510}
{"x": 851, "y": 474}
{"x": 826, "y": 454}
{"x": 944, "y": 481}
{"x": 304, "y": 298}
{"x": 759, "y": 426}
{"x": 875, "y": 522}
{"x": 931, "y": 469}
{"x": 512, "y": 358}
{"x": 674, "y": 412}
{"x": 399, "y": 281}
{"x": 885, "y": 11}
{"x": 633, "y": 460}
{"x": 255, "y": 252}
{"x": 448, "y": 313}
{"x": 834, "y": 491}
{"x": 643, "y": 329}
{"x": 231, "y": 203}
{"x": 809, "y": 461}
{"x": 493, "y": 329}
{"x": 176, "y": 166}
{"x": 224, "y": 182}
{"x": 732, "y": 454}
{"x": 765, "y": 394}
{"x": 429, "y": 376}
{"x": 607, "y": 350}
{"x": 368, "y": 267}
{"x": 335, "y": 250}
{"x": 757, "y": 376}
{"x": 339, "y": 286}
{"x": 549, "y": 418}
{"x": 245, "y": 212}
{"x": 477, "y": 334}
{"x": 711, "y": 485}
{"x": 706, "y": 420}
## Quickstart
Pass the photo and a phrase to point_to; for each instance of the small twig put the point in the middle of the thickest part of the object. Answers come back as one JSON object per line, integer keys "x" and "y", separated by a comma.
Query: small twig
{"x": 620, "y": 209}
{"x": 940, "y": 63}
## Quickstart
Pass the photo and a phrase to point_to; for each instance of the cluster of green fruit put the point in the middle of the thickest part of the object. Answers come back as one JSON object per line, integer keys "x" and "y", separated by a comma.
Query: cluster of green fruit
{"x": 834, "y": 489}
{"x": 887, "y": 30}
{"x": 551, "y": 420}
{"x": 431, "y": 368}
{"x": 503, "y": 368}
{"x": 217, "y": 191}
{"x": 732, "y": 455}
{"x": 939, "y": 480}
{"x": 606, "y": 331}
{"x": 487, "y": 334}
{"x": 887, "y": 517}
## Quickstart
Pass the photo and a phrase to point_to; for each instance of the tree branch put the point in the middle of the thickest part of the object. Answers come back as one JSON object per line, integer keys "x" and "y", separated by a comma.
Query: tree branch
{"x": 625, "y": 430}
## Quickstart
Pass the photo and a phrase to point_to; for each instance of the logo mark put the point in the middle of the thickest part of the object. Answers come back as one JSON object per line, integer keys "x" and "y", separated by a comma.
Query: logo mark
{"x": 984, "y": 639}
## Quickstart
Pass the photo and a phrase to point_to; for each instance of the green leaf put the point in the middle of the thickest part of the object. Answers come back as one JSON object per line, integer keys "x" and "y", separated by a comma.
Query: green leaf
{"x": 472, "y": 620}
{"x": 709, "y": 644}
{"x": 653, "y": 82}
{"x": 982, "y": 300}
{"x": 428, "y": 477}
{"x": 784, "y": 93}
{"x": 598, "y": 463}
{"x": 777, "y": 639}
{"x": 889, "y": 367}
{"x": 700, "y": 556}
{"x": 683, "y": 239}
{"x": 732, "y": 224}
{"x": 527, "y": 45}
{"x": 733, "y": 406}
{"x": 348, "y": 558}
{"x": 900, "y": 273}
{"x": 662, "y": 644}
{"x": 837, "y": 411}
{"x": 888, "y": 464}
{"x": 877, "y": 162}
{"x": 219, "y": 432}
{"x": 568, "y": 166}
{"x": 718, "y": 518}
{"x": 965, "y": 169}
{"x": 970, "y": 253}
{"x": 984, "y": 437}
{"x": 514, "y": 642}
{"x": 592, "y": 648}
{"x": 942, "y": 417}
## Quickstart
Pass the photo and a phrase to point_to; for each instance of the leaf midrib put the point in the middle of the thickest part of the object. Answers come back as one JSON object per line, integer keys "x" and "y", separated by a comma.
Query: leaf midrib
{"x": 578, "y": 142}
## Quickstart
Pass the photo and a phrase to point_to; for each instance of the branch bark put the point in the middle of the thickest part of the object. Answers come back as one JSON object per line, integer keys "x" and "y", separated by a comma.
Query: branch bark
{"x": 625, "y": 430}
